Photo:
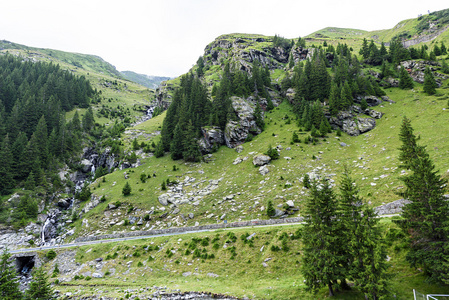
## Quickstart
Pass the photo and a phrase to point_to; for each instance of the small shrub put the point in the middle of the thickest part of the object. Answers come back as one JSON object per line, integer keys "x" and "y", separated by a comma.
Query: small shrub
{"x": 143, "y": 177}
{"x": 126, "y": 191}
{"x": 51, "y": 254}
{"x": 140, "y": 264}
{"x": 270, "y": 209}
{"x": 275, "y": 248}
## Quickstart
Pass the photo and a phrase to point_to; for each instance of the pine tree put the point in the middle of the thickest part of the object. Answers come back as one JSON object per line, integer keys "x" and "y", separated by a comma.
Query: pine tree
{"x": 88, "y": 120}
{"x": 430, "y": 84}
{"x": 177, "y": 144}
{"x": 76, "y": 123}
{"x": 405, "y": 81}
{"x": 364, "y": 51}
{"x": 346, "y": 96}
{"x": 426, "y": 217}
{"x": 191, "y": 150}
{"x": 258, "y": 117}
{"x": 443, "y": 48}
{"x": 9, "y": 286}
{"x": 270, "y": 209}
{"x": 444, "y": 67}
{"x": 334, "y": 99}
{"x": 39, "y": 288}
{"x": 200, "y": 67}
{"x": 321, "y": 256}
{"x": 159, "y": 151}
{"x": 363, "y": 248}
{"x": 126, "y": 189}
{"x": 6, "y": 170}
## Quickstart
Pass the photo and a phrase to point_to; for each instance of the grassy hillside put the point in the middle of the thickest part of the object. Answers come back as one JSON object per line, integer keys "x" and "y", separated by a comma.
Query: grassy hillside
{"x": 117, "y": 93}
{"x": 222, "y": 261}
{"x": 151, "y": 82}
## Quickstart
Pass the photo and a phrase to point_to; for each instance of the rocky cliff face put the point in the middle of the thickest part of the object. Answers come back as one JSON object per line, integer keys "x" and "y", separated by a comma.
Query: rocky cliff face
{"x": 236, "y": 131}
{"x": 416, "y": 70}
{"x": 243, "y": 50}
{"x": 356, "y": 121}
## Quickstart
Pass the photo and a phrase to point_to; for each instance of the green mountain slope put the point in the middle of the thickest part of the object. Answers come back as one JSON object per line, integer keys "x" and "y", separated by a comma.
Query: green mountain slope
{"x": 226, "y": 185}
{"x": 87, "y": 62}
{"x": 151, "y": 82}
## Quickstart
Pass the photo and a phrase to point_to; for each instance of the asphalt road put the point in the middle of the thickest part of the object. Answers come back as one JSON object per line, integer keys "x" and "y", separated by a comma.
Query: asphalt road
{"x": 71, "y": 245}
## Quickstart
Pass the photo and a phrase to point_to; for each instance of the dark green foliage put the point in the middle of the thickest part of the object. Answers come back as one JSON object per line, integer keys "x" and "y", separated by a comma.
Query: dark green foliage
{"x": 40, "y": 288}
{"x": 33, "y": 130}
{"x": 135, "y": 144}
{"x": 363, "y": 250}
{"x": 295, "y": 137}
{"x": 159, "y": 150}
{"x": 9, "y": 286}
{"x": 426, "y": 217}
{"x": 143, "y": 177}
{"x": 270, "y": 209}
{"x": 126, "y": 189}
{"x": 272, "y": 152}
{"x": 200, "y": 67}
{"x": 430, "y": 84}
{"x": 51, "y": 254}
{"x": 163, "y": 186}
{"x": 279, "y": 41}
{"x": 321, "y": 254}
{"x": 6, "y": 167}
{"x": 84, "y": 194}
{"x": 444, "y": 67}
{"x": 258, "y": 117}
{"x": 405, "y": 81}
{"x": 363, "y": 104}
{"x": 306, "y": 181}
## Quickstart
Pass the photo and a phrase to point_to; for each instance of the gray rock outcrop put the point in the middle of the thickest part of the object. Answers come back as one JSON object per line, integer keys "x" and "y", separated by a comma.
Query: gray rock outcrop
{"x": 261, "y": 160}
{"x": 349, "y": 122}
{"x": 236, "y": 132}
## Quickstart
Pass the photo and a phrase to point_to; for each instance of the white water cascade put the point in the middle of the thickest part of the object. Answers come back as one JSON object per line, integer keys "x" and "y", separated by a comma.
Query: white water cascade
{"x": 47, "y": 221}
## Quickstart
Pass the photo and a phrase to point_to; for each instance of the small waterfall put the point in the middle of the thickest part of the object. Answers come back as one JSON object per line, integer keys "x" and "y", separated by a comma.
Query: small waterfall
{"x": 150, "y": 112}
{"x": 47, "y": 221}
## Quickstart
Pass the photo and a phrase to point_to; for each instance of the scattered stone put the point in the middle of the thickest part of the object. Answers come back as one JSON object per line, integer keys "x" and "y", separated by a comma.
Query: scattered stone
{"x": 290, "y": 203}
{"x": 251, "y": 236}
{"x": 263, "y": 170}
{"x": 261, "y": 160}
{"x": 237, "y": 161}
{"x": 111, "y": 206}
{"x": 239, "y": 149}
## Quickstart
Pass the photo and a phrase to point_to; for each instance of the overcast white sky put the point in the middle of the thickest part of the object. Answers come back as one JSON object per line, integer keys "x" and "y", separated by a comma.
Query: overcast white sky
{"x": 166, "y": 37}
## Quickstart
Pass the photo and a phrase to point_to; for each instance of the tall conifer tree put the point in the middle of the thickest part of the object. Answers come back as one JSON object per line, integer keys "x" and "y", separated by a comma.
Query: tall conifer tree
{"x": 426, "y": 217}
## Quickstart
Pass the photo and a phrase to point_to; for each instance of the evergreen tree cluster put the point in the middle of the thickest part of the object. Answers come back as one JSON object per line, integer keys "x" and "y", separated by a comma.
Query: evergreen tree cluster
{"x": 341, "y": 240}
{"x": 426, "y": 218}
{"x": 34, "y": 134}
{"x": 39, "y": 288}
{"x": 315, "y": 87}
{"x": 375, "y": 56}
{"x": 193, "y": 108}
